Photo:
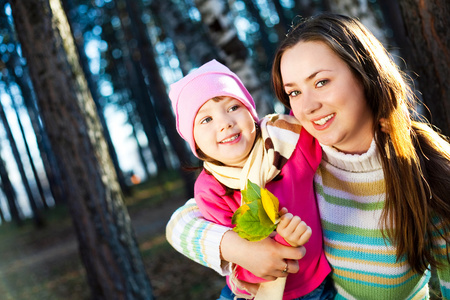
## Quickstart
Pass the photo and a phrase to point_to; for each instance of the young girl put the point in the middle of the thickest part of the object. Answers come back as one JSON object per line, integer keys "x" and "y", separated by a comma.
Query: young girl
{"x": 216, "y": 115}
{"x": 383, "y": 198}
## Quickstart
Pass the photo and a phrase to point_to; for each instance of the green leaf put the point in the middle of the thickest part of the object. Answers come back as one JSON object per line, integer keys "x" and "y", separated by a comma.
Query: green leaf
{"x": 252, "y": 192}
{"x": 249, "y": 225}
{"x": 238, "y": 213}
{"x": 254, "y": 220}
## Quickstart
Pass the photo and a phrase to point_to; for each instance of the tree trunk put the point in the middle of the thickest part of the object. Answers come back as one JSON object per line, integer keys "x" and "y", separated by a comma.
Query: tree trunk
{"x": 267, "y": 46}
{"x": 364, "y": 12}
{"x": 39, "y": 222}
{"x": 192, "y": 45}
{"x": 107, "y": 243}
{"x": 19, "y": 73}
{"x": 30, "y": 157}
{"x": 137, "y": 90}
{"x": 221, "y": 29}
{"x": 131, "y": 120}
{"x": 48, "y": 157}
{"x": 427, "y": 26}
{"x": 158, "y": 91}
{"x": 9, "y": 192}
{"x": 93, "y": 88}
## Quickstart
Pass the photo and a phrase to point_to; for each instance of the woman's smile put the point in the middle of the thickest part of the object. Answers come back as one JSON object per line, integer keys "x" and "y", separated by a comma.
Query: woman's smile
{"x": 324, "y": 120}
{"x": 326, "y": 97}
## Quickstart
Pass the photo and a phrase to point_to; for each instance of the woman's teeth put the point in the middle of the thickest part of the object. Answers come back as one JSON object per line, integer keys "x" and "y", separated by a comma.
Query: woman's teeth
{"x": 323, "y": 120}
{"x": 230, "y": 139}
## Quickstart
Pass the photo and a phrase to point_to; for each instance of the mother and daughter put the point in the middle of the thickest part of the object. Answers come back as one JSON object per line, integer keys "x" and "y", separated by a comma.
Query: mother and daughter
{"x": 366, "y": 210}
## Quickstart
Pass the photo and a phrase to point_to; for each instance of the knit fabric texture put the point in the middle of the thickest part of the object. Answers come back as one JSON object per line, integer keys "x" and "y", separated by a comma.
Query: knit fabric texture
{"x": 350, "y": 192}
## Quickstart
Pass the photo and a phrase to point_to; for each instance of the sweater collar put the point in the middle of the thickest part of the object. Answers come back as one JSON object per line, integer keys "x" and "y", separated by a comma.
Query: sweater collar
{"x": 365, "y": 162}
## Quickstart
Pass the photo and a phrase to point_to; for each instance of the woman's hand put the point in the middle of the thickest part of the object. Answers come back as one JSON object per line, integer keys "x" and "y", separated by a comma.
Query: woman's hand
{"x": 266, "y": 258}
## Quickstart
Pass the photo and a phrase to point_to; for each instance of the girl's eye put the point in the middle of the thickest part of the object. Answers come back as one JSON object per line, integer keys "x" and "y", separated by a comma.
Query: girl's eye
{"x": 233, "y": 108}
{"x": 206, "y": 120}
{"x": 321, "y": 83}
{"x": 294, "y": 93}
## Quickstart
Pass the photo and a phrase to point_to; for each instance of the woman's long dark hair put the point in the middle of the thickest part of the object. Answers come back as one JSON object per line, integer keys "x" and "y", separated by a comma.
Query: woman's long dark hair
{"x": 415, "y": 158}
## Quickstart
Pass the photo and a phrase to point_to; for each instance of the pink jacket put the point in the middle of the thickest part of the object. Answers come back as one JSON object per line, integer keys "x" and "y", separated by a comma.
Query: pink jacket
{"x": 295, "y": 192}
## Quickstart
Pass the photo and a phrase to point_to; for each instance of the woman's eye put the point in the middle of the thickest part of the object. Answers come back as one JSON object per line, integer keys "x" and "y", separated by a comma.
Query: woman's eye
{"x": 294, "y": 93}
{"x": 206, "y": 120}
{"x": 233, "y": 108}
{"x": 321, "y": 83}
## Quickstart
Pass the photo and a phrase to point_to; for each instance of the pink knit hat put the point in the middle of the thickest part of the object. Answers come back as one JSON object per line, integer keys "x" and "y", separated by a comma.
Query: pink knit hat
{"x": 192, "y": 91}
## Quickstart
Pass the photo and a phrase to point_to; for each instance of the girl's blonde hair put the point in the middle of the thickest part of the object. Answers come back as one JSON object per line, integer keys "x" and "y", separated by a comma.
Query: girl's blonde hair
{"x": 415, "y": 158}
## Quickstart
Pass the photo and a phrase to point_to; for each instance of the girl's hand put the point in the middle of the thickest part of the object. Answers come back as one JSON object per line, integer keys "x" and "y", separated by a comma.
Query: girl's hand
{"x": 293, "y": 229}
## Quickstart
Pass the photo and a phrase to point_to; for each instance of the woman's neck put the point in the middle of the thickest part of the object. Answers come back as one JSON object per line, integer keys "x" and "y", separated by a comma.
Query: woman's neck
{"x": 363, "y": 162}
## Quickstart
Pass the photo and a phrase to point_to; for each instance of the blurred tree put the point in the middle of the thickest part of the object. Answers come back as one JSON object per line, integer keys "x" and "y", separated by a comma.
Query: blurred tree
{"x": 364, "y": 11}
{"x": 18, "y": 72}
{"x": 70, "y": 9}
{"x": 426, "y": 24}
{"x": 267, "y": 46}
{"x": 128, "y": 69}
{"x": 180, "y": 21}
{"x": 107, "y": 242}
{"x": 37, "y": 217}
{"x": 216, "y": 16}
{"x": 37, "y": 180}
{"x": 9, "y": 192}
{"x": 158, "y": 90}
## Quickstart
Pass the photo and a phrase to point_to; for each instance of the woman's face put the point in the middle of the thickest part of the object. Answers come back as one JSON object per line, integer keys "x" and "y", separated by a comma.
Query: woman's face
{"x": 326, "y": 97}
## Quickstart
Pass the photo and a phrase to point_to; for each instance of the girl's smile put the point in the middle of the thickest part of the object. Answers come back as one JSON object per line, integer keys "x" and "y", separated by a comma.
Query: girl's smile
{"x": 225, "y": 131}
{"x": 233, "y": 138}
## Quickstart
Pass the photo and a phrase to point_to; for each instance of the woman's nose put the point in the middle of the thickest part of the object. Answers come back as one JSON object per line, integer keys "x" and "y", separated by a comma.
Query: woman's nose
{"x": 311, "y": 103}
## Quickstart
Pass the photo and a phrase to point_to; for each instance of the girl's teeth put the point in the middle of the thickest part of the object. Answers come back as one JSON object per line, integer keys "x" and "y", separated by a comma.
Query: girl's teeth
{"x": 230, "y": 139}
{"x": 323, "y": 120}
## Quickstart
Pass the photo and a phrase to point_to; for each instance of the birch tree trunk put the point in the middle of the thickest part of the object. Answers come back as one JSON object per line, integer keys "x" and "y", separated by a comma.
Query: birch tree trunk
{"x": 107, "y": 243}
{"x": 215, "y": 14}
{"x": 362, "y": 10}
{"x": 193, "y": 46}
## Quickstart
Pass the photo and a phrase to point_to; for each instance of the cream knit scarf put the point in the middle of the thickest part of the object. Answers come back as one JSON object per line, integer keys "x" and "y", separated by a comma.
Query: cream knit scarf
{"x": 279, "y": 136}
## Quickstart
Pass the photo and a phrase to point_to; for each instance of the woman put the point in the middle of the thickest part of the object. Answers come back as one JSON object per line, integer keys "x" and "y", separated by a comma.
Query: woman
{"x": 382, "y": 197}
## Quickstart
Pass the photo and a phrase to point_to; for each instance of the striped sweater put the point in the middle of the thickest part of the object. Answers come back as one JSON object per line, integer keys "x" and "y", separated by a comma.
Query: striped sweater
{"x": 350, "y": 192}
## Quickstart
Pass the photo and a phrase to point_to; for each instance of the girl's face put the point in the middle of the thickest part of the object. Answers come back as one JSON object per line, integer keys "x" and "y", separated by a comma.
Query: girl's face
{"x": 225, "y": 131}
{"x": 326, "y": 97}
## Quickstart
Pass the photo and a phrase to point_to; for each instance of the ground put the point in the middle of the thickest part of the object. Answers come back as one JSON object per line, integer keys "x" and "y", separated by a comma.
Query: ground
{"x": 44, "y": 264}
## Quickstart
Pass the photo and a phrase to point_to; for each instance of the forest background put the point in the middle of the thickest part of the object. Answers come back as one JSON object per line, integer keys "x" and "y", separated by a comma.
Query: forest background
{"x": 91, "y": 164}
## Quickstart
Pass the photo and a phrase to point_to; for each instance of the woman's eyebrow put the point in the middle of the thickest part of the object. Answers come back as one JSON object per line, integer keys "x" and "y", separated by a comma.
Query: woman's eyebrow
{"x": 314, "y": 74}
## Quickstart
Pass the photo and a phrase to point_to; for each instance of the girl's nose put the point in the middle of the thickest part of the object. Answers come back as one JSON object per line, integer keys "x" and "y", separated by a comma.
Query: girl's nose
{"x": 226, "y": 124}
